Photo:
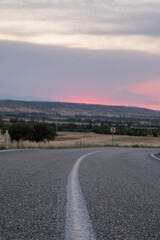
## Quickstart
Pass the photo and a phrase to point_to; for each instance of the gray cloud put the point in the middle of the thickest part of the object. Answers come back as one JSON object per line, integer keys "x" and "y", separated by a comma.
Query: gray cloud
{"x": 58, "y": 73}
{"x": 85, "y": 17}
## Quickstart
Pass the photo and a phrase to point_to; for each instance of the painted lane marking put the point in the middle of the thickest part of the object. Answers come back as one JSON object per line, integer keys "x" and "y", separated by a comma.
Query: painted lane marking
{"x": 78, "y": 223}
{"x": 15, "y": 150}
{"x": 153, "y": 155}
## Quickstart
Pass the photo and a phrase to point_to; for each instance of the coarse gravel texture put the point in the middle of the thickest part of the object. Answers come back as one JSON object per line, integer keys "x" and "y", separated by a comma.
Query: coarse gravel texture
{"x": 33, "y": 193}
{"x": 122, "y": 192}
{"x": 121, "y": 187}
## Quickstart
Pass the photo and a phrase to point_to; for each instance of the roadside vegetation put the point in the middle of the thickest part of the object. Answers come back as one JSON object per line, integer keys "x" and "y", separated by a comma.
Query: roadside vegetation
{"x": 105, "y": 129}
{"x": 82, "y": 140}
{"x": 40, "y": 130}
{"x": 43, "y": 133}
{"x": 29, "y": 131}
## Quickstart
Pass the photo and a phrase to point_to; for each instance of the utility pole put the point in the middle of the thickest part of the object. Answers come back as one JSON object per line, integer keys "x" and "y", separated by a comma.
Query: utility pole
{"x": 112, "y": 138}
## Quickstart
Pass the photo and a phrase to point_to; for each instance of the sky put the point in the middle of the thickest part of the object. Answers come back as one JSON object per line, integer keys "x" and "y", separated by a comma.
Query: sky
{"x": 101, "y": 52}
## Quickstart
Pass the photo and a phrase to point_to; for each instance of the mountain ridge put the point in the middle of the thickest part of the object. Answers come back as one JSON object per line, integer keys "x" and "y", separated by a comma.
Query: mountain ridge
{"x": 8, "y": 96}
{"x": 70, "y": 109}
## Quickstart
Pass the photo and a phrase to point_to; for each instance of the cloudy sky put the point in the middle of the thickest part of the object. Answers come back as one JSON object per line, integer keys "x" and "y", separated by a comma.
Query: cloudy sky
{"x": 105, "y": 52}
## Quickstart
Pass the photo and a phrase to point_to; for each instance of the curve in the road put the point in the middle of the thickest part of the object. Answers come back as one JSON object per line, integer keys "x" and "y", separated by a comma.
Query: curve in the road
{"x": 154, "y": 156}
{"x": 78, "y": 223}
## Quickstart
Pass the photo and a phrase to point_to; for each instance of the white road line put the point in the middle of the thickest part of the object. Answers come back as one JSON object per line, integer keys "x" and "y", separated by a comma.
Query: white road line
{"x": 153, "y": 155}
{"x": 14, "y": 150}
{"x": 78, "y": 223}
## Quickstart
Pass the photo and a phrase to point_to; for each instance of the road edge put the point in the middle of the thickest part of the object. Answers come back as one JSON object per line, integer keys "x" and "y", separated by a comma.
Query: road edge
{"x": 155, "y": 157}
{"x": 14, "y": 150}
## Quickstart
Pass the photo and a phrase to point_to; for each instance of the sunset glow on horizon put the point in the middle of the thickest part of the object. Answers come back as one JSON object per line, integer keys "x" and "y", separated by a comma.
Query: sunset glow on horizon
{"x": 99, "y": 52}
{"x": 152, "y": 107}
{"x": 85, "y": 100}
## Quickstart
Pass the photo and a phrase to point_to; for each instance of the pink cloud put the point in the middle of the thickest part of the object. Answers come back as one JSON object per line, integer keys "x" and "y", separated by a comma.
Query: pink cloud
{"x": 150, "y": 88}
{"x": 155, "y": 99}
{"x": 145, "y": 94}
{"x": 153, "y": 107}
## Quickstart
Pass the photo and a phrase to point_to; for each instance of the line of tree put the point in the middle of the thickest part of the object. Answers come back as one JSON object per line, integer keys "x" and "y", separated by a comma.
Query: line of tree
{"x": 34, "y": 131}
{"x": 31, "y": 131}
{"x": 105, "y": 129}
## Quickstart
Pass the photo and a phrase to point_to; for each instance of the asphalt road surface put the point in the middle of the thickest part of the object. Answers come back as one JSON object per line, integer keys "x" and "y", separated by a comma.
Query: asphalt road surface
{"x": 80, "y": 194}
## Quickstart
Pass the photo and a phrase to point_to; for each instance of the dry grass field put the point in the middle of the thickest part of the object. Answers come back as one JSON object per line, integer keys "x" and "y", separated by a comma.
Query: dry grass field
{"x": 75, "y": 139}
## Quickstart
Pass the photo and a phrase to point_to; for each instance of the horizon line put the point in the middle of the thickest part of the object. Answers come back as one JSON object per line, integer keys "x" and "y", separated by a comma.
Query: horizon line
{"x": 99, "y": 104}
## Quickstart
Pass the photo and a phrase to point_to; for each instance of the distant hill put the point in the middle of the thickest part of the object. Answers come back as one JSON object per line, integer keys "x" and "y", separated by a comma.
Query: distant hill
{"x": 71, "y": 109}
{"x": 25, "y": 98}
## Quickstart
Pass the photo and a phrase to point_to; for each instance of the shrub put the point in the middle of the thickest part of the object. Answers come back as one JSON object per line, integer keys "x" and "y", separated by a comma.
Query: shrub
{"x": 32, "y": 132}
{"x": 20, "y": 131}
{"x": 43, "y": 132}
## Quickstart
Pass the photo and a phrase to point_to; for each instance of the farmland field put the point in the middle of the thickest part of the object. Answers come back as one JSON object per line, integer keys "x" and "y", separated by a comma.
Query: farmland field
{"x": 76, "y": 139}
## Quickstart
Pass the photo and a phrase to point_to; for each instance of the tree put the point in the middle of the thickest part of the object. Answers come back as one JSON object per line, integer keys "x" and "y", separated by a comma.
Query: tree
{"x": 32, "y": 132}
{"x": 21, "y": 131}
{"x": 155, "y": 134}
{"x": 90, "y": 124}
{"x": 43, "y": 132}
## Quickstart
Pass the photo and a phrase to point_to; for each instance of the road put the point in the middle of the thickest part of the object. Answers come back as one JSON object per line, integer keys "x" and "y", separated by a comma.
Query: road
{"x": 80, "y": 194}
